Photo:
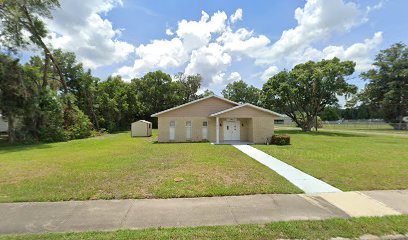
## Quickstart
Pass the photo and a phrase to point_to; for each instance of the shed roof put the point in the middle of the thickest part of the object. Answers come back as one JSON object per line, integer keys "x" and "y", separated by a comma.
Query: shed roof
{"x": 143, "y": 121}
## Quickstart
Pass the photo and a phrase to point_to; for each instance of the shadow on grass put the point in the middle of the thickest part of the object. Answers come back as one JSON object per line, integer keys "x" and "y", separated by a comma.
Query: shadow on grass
{"x": 8, "y": 148}
{"x": 328, "y": 134}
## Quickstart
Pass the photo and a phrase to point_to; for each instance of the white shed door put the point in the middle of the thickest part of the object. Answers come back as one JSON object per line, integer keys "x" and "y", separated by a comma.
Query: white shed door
{"x": 232, "y": 130}
{"x": 172, "y": 130}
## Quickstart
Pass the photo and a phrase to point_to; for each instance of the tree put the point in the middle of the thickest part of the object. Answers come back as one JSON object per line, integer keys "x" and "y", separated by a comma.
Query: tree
{"x": 388, "y": 84}
{"x": 113, "y": 106}
{"x": 12, "y": 93}
{"x": 157, "y": 92}
{"x": 207, "y": 93}
{"x": 239, "y": 91}
{"x": 330, "y": 113}
{"x": 306, "y": 90}
{"x": 18, "y": 16}
{"x": 188, "y": 86}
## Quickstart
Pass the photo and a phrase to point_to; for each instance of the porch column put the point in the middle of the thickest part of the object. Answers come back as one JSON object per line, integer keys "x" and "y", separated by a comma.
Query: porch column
{"x": 217, "y": 123}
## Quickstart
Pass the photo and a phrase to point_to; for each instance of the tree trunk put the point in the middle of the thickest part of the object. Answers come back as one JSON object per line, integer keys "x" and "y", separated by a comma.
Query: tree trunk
{"x": 11, "y": 129}
{"x": 400, "y": 126}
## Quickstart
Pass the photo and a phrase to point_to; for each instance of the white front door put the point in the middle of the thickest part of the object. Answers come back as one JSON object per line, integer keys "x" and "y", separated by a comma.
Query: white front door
{"x": 232, "y": 130}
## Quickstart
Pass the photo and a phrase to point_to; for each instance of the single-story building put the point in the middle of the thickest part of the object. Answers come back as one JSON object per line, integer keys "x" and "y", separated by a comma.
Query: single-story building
{"x": 285, "y": 120}
{"x": 141, "y": 128}
{"x": 215, "y": 119}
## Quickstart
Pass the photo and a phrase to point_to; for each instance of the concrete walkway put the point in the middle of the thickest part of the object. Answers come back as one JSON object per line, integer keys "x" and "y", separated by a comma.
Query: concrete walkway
{"x": 97, "y": 215}
{"x": 304, "y": 181}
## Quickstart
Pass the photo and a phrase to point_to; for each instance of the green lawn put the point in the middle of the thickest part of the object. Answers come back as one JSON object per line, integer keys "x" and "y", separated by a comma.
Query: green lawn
{"x": 117, "y": 166}
{"x": 380, "y": 128}
{"x": 347, "y": 161}
{"x": 326, "y": 229}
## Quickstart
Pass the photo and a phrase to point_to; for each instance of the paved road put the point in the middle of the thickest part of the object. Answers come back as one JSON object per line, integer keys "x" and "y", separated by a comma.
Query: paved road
{"x": 124, "y": 214}
{"x": 302, "y": 180}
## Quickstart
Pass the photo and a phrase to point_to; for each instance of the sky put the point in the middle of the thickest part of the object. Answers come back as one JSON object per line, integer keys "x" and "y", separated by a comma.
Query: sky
{"x": 224, "y": 41}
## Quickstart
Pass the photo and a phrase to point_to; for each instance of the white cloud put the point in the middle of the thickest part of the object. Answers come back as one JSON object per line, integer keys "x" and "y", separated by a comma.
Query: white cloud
{"x": 358, "y": 52}
{"x": 236, "y": 16}
{"x": 317, "y": 20}
{"x": 169, "y": 32}
{"x": 163, "y": 54}
{"x": 83, "y": 30}
{"x": 210, "y": 62}
{"x": 195, "y": 34}
{"x": 243, "y": 42}
{"x": 234, "y": 76}
{"x": 210, "y": 45}
{"x": 269, "y": 72}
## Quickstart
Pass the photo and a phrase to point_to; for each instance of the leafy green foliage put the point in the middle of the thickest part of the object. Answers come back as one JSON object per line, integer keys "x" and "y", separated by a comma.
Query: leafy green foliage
{"x": 388, "y": 84}
{"x": 330, "y": 113}
{"x": 280, "y": 140}
{"x": 239, "y": 91}
{"x": 306, "y": 90}
{"x": 12, "y": 92}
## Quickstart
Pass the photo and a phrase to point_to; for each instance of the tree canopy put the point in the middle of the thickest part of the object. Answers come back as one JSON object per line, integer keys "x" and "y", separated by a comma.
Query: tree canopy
{"x": 387, "y": 88}
{"x": 307, "y": 89}
{"x": 240, "y": 91}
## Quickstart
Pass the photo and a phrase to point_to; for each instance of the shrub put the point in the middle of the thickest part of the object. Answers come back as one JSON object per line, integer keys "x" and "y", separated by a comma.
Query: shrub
{"x": 280, "y": 139}
{"x": 80, "y": 125}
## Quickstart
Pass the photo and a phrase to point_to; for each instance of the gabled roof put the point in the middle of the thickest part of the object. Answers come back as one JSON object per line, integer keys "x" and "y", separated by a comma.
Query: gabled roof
{"x": 195, "y": 101}
{"x": 143, "y": 121}
{"x": 247, "y": 105}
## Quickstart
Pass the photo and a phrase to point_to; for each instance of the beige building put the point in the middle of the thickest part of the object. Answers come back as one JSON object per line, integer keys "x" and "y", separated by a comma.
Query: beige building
{"x": 141, "y": 128}
{"x": 216, "y": 119}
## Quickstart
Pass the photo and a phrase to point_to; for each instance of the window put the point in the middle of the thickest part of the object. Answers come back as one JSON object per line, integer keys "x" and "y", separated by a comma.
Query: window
{"x": 188, "y": 130}
{"x": 172, "y": 130}
{"x": 204, "y": 131}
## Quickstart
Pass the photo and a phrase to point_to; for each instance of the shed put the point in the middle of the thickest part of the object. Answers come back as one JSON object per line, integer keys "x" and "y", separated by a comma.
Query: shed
{"x": 141, "y": 128}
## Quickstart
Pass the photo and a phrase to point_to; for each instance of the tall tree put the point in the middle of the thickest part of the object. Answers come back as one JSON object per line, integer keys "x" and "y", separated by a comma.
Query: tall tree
{"x": 239, "y": 91}
{"x": 306, "y": 90}
{"x": 188, "y": 86}
{"x": 19, "y": 16}
{"x": 157, "y": 92}
{"x": 12, "y": 93}
{"x": 388, "y": 84}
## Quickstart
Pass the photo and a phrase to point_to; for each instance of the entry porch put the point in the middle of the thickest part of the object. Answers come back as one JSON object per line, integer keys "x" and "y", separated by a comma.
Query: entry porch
{"x": 233, "y": 131}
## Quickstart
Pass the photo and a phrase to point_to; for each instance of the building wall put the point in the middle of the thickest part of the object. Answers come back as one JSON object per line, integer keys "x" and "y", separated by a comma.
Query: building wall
{"x": 256, "y": 125}
{"x": 196, "y": 129}
{"x": 263, "y": 127}
{"x": 200, "y": 109}
{"x": 141, "y": 129}
{"x": 244, "y": 112}
{"x": 180, "y": 136}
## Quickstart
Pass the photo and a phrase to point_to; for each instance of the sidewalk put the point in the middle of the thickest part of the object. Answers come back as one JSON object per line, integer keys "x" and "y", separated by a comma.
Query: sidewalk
{"x": 302, "y": 180}
{"x": 97, "y": 215}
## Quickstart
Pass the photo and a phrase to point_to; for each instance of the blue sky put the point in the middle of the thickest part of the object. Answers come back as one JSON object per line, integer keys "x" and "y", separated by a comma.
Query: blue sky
{"x": 225, "y": 40}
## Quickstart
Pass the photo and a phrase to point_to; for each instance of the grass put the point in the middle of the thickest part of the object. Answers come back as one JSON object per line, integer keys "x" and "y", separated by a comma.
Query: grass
{"x": 380, "y": 128}
{"x": 117, "y": 166}
{"x": 324, "y": 229}
{"x": 347, "y": 161}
